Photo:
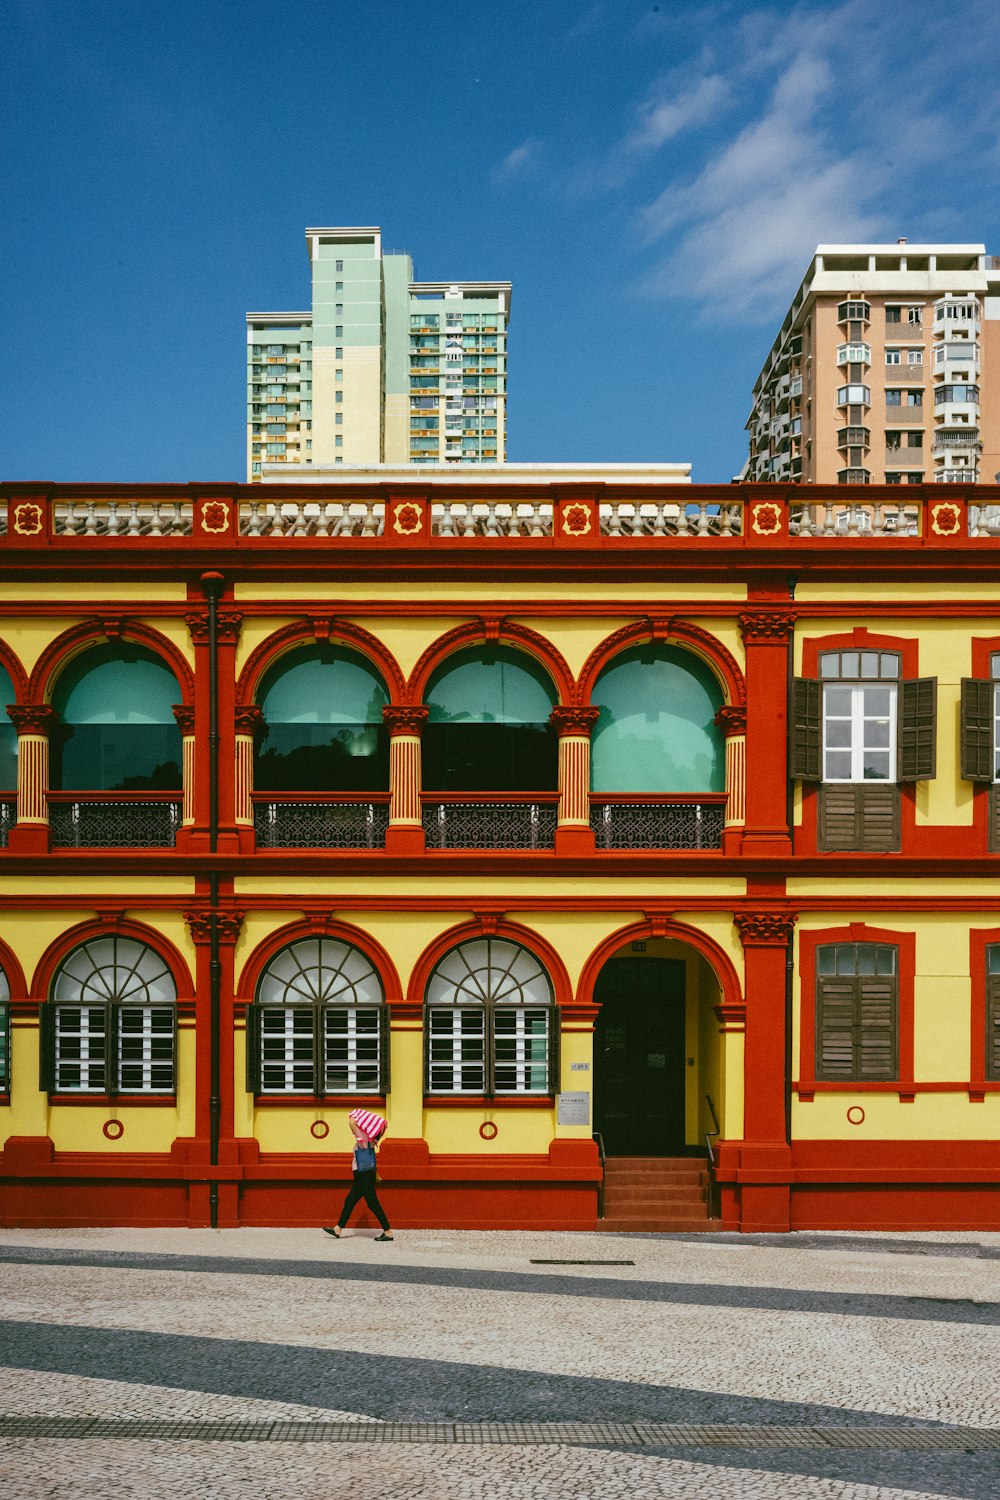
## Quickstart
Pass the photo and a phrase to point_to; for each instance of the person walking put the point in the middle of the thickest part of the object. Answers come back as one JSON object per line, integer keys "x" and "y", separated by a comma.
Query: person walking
{"x": 367, "y": 1129}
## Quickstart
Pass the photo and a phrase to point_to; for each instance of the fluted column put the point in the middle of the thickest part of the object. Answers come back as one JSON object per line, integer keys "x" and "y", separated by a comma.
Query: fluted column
{"x": 573, "y": 725}
{"x": 405, "y": 723}
{"x": 249, "y": 726}
{"x": 732, "y": 720}
{"x": 184, "y": 714}
{"x": 34, "y": 722}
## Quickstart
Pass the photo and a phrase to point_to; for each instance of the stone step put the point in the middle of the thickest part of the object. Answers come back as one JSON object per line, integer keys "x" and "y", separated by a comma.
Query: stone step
{"x": 658, "y": 1224}
{"x": 675, "y": 1163}
{"x": 653, "y": 1193}
{"x": 667, "y": 1179}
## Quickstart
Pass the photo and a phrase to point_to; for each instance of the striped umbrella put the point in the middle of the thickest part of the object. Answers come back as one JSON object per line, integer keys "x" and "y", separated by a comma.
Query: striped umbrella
{"x": 372, "y": 1124}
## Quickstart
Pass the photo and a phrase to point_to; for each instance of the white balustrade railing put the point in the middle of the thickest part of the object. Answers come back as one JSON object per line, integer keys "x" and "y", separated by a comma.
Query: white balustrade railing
{"x": 288, "y": 518}
{"x": 122, "y": 518}
{"x": 834, "y": 518}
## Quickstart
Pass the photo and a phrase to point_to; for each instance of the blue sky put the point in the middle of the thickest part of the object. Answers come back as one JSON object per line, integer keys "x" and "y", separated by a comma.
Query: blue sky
{"x": 652, "y": 178}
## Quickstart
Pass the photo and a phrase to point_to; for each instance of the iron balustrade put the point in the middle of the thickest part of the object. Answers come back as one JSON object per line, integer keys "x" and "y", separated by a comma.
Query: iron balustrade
{"x": 679, "y": 824}
{"x": 493, "y": 824}
{"x": 8, "y": 817}
{"x": 114, "y": 822}
{"x": 298, "y": 823}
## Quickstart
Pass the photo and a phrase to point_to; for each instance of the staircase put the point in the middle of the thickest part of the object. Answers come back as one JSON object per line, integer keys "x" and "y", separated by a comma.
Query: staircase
{"x": 655, "y": 1194}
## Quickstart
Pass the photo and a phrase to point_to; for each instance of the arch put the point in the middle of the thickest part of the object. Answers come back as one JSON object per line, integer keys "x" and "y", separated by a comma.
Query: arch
{"x": 481, "y": 927}
{"x": 717, "y": 958}
{"x": 16, "y": 982}
{"x": 118, "y": 730}
{"x": 671, "y": 632}
{"x": 305, "y": 632}
{"x": 480, "y": 632}
{"x": 65, "y": 648}
{"x": 18, "y": 677}
{"x": 860, "y": 639}
{"x": 60, "y": 949}
{"x": 246, "y": 985}
{"x": 9, "y": 697}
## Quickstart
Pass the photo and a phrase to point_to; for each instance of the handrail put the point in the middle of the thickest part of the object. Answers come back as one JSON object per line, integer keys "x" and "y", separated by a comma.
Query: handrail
{"x": 599, "y": 1139}
{"x": 713, "y": 1187}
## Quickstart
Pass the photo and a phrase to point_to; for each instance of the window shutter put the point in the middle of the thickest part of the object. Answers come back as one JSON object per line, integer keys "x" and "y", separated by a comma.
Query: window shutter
{"x": 489, "y": 1053}
{"x": 553, "y": 1081}
{"x": 977, "y": 729}
{"x": 993, "y": 1026}
{"x": 835, "y": 1008}
{"x": 47, "y": 1048}
{"x": 877, "y": 1032}
{"x": 5, "y": 1046}
{"x": 253, "y": 1049}
{"x": 384, "y": 1049}
{"x": 319, "y": 1049}
{"x": 806, "y": 748}
{"x": 859, "y": 815}
{"x": 112, "y": 1066}
{"x": 917, "y": 738}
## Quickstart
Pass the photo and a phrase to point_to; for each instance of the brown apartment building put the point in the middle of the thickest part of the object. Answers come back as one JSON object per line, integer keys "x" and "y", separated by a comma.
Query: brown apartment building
{"x": 886, "y": 370}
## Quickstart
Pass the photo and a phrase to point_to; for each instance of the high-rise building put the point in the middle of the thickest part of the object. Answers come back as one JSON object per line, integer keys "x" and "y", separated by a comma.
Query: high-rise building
{"x": 886, "y": 369}
{"x": 384, "y": 369}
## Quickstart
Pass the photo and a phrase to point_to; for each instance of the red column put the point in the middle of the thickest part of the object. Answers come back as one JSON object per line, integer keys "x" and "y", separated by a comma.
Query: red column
{"x": 765, "y": 1154}
{"x": 405, "y": 833}
{"x": 226, "y": 1173}
{"x": 574, "y": 834}
{"x": 766, "y": 635}
{"x": 33, "y": 722}
{"x": 227, "y": 634}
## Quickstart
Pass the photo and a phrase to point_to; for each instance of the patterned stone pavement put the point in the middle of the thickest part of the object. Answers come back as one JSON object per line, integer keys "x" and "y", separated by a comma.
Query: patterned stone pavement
{"x": 288, "y": 1366}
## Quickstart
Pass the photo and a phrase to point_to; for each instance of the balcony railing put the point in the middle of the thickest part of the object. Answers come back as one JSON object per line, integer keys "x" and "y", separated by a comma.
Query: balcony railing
{"x": 114, "y": 821}
{"x": 8, "y": 817}
{"x": 502, "y": 822}
{"x": 320, "y": 822}
{"x": 854, "y": 519}
{"x": 675, "y": 823}
{"x": 943, "y": 441}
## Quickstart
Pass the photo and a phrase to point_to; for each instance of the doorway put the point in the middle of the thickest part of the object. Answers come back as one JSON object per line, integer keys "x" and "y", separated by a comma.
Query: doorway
{"x": 639, "y": 1056}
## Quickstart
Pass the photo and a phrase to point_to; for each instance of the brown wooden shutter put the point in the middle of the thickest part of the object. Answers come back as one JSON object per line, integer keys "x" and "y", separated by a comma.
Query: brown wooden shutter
{"x": 993, "y": 1026}
{"x": 806, "y": 748}
{"x": 859, "y": 815}
{"x": 253, "y": 1049}
{"x": 47, "y": 1047}
{"x": 877, "y": 1039}
{"x": 835, "y": 1010}
{"x": 917, "y": 725}
{"x": 977, "y": 729}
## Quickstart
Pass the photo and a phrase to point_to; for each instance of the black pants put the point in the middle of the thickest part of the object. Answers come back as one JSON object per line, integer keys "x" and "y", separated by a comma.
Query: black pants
{"x": 364, "y": 1187}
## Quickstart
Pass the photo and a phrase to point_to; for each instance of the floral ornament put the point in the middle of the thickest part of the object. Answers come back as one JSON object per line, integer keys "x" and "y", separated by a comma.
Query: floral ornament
{"x": 215, "y": 516}
{"x": 407, "y": 520}
{"x": 766, "y": 518}
{"x": 576, "y": 519}
{"x": 945, "y": 518}
{"x": 28, "y": 518}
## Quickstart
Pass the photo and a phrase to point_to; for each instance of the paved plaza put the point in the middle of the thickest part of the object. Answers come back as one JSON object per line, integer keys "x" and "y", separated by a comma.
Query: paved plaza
{"x": 284, "y": 1365}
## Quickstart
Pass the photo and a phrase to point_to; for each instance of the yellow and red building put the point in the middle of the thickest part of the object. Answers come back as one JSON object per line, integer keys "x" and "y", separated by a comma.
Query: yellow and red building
{"x": 526, "y": 810}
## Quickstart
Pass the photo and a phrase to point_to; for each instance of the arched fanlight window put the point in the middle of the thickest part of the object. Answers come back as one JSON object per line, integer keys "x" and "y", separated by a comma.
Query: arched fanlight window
{"x": 4, "y": 1033}
{"x": 118, "y": 731}
{"x": 491, "y": 1021}
{"x": 318, "y": 1024}
{"x": 110, "y": 1024}
{"x": 322, "y": 708}
{"x": 657, "y": 732}
{"x": 488, "y": 724}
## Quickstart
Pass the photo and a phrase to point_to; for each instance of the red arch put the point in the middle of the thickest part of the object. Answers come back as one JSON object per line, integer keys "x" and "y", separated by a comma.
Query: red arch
{"x": 721, "y": 964}
{"x": 699, "y": 642}
{"x": 123, "y": 927}
{"x": 507, "y": 633}
{"x": 15, "y": 974}
{"x": 246, "y": 987}
{"x": 304, "y": 632}
{"x": 562, "y": 990}
{"x": 72, "y": 643}
{"x": 18, "y": 675}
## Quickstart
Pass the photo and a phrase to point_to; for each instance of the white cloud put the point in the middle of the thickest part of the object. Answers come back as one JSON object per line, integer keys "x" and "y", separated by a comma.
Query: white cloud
{"x": 666, "y": 113}
{"x": 521, "y": 161}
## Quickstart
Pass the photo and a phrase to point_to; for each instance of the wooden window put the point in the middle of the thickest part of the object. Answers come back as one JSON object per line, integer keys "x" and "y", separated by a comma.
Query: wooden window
{"x": 4, "y": 1033}
{"x": 993, "y": 1011}
{"x": 978, "y": 729}
{"x": 857, "y": 1031}
{"x": 859, "y": 815}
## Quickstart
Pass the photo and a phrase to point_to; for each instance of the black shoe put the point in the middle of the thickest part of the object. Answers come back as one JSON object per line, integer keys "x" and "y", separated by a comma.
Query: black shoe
{"x": 389, "y": 1237}
{"x": 335, "y": 1231}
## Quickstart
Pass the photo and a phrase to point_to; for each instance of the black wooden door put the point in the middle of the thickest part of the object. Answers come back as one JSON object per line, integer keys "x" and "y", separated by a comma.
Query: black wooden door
{"x": 639, "y": 1057}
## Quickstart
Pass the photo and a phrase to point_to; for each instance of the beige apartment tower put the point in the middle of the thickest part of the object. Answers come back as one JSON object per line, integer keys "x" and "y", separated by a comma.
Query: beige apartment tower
{"x": 886, "y": 370}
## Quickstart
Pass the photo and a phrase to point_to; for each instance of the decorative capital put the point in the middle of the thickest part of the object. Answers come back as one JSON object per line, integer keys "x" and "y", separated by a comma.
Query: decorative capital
{"x": 732, "y": 719}
{"x": 767, "y": 625}
{"x": 184, "y": 714}
{"x": 765, "y": 928}
{"x": 249, "y": 719}
{"x": 227, "y": 925}
{"x": 33, "y": 718}
{"x": 227, "y": 624}
{"x": 731, "y": 1015}
{"x": 570, "y": 718}
{"x": 405, "y": 718}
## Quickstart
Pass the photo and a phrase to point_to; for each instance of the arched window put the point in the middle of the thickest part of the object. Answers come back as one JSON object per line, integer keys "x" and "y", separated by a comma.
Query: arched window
{"x": 656, "y": 732}
{"x": 110, "y": 1024}
{"x": 4, "y": 1033}
{"x": 8, "y": 735}
{"x": 118, "y": 731}
{"x": 322, "y": 709}
{"x": 488, "y": 724}
{"x": 491, "y": 1021}
{"x": 319, "y": 1023}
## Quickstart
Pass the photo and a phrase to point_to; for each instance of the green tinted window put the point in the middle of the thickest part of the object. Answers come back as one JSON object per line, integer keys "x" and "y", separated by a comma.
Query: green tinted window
{"x": 8, "y": 736}
{"x": 488, "y": 727}
{"x": 656, "y": 731}
{"x": 498, "y": 686}
{"x": 118, "y": 732}
{"x": 323, "y": 711}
